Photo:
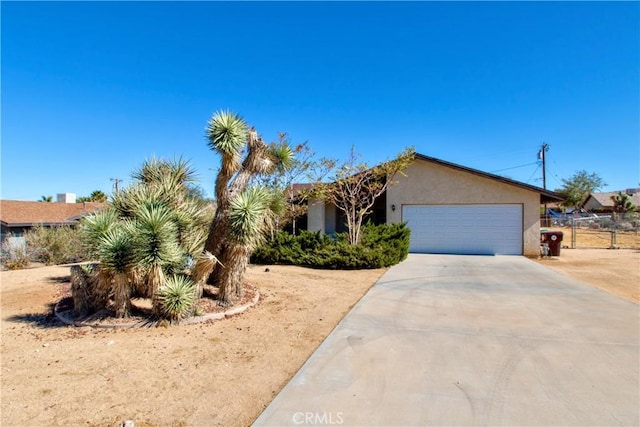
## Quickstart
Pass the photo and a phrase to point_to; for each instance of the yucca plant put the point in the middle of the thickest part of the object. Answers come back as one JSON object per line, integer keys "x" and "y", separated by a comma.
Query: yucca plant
{"x": 95, "y": 226}
{"x": 157, "y": 246}
{"x": 241, "y": 212}
{"x": 176, "y": 297}
{"x": 247, "y": 224}
{"x": 192, "y": 221}
{"x": 154, "y": 171}
{"x": 94, "y": 229}
{"x": 117, "y": 253}
{"x": 165, "y": 227}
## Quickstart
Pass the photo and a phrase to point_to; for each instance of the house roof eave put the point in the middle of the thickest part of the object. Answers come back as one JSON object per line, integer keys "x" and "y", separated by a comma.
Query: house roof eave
{"x": 545, "y": 195}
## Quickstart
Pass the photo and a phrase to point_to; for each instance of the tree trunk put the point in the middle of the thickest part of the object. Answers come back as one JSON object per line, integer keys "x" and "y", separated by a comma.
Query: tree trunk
{"x": 229, "y": 278}
{"x": 80, "y": 291}
{"x": 155, "y": 279}
{"x": 101, "y": 284}
{"x": 122, "y": 295}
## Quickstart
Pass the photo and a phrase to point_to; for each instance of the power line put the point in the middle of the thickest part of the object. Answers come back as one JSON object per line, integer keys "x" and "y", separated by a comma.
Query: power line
{"x": 534, "y": 172}
{"x": 514, "y": 167}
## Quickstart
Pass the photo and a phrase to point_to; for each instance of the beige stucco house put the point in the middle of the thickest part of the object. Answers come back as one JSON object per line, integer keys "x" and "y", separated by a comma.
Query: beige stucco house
{"x": 602, "y": 202}
{"x": 454, "y": 209}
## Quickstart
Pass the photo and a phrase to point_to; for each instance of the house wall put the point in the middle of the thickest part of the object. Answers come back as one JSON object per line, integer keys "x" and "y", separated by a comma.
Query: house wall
{"x": 592, "y": 204}
{"x": 316, "y": 215}
{"x": 432, "y": 184}
{"x": 330, "y": 218}
{"x": 322, "y": 217}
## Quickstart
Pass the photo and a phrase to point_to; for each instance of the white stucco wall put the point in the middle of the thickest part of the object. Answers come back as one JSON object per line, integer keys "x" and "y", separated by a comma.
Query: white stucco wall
{"x": 429, "y": 183}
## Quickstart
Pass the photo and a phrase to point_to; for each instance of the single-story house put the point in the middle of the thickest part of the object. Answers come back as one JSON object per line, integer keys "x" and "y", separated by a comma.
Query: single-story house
{"x": 453, "y": 209}
{"x": 18, "y": 216}
{"x": 602, "y": 202}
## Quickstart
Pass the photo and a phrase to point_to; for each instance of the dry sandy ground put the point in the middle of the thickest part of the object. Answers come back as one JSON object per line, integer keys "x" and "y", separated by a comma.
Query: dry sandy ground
{"x": 614, "y": 270}
{"x": 221, "y": 373}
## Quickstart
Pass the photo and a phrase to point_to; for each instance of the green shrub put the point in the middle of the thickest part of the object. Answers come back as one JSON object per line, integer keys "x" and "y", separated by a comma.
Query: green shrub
{"x": 55, "y": 245}
{"x": 177, "y": 297}
{"x": 380, "y": 246}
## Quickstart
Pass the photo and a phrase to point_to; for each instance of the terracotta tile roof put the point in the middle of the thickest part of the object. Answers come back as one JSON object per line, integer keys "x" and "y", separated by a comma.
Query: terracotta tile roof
{"x": 20, "y": 213}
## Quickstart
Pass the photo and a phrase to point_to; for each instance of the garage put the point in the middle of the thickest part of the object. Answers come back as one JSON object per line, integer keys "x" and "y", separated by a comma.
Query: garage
{"x": 478, "y": 229}
{"x": 454, "y": 209}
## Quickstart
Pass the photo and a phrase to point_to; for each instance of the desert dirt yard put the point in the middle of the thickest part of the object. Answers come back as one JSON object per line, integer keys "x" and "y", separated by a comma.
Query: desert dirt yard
{"x": 615, "y": 270}
{"x": 219, "y": 373}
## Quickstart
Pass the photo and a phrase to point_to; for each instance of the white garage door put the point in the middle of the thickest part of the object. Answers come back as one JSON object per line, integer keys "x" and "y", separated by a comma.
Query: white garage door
{"x": 465, "y": 229}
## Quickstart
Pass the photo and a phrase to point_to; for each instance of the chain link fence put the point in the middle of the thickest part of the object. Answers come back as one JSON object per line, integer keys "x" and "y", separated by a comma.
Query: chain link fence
{"x": 607, "y": 231}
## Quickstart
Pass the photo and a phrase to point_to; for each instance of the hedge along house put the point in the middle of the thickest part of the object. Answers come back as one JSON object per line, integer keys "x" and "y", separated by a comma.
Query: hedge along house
{"x": 453, "y": 209}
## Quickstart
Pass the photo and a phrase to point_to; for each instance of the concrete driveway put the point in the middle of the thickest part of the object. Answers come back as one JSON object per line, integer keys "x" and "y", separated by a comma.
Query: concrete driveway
{"x": 472, "y": 340}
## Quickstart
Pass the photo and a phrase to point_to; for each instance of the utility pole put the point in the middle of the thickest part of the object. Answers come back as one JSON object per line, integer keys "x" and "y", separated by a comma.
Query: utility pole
{"x": 542, "y": 156}
{"x": 115, "y": 181}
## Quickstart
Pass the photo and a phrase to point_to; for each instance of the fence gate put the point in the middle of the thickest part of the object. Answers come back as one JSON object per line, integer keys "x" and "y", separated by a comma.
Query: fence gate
{"x": 604, "y": 232}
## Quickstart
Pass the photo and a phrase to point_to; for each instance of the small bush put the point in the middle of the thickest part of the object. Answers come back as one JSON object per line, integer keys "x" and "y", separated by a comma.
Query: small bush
{"x": 55, "y": 245}
{"x": 14, "y": 253}
{"x": 380, "y": 246}
{"x": 177, "y": 297}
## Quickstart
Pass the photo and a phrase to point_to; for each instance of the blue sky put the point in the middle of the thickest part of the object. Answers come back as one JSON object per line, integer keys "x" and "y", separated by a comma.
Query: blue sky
{"x": 92, "y": 89}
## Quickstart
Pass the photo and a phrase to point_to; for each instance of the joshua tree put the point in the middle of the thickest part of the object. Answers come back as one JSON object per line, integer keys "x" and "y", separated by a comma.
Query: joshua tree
{"x": 242, "y": 211}
{"x": 622, "y": 203}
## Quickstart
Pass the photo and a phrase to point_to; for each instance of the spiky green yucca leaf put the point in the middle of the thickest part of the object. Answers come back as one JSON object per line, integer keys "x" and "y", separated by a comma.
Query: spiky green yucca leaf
{"x": 117, "y": 254}
{"x": 156, "y": 171}
{"x": 227, "y": 132}
{"x": 246, "y": 215}
{"x": 126, "y": 201}
{"x": 176, "y": 297}
{"x": 117, "y": 249}
{"x": 192, "y": 240}
{"x": 96, "y": 225}
{"x": 277, "y": 202}
{"x": 282, "y": 155}
{"x": 157, "y": 236}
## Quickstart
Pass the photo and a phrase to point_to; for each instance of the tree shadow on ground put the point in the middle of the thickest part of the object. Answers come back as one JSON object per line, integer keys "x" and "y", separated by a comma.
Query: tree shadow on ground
{"x": 59, "y": 279}
{"x": 39, "y": 320}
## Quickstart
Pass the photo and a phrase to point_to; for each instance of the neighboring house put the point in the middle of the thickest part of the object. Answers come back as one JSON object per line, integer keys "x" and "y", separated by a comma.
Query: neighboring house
{"x": 602, "y": 203}
{"x": 16, "y": 216}
{"x": 454, "y": 209}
